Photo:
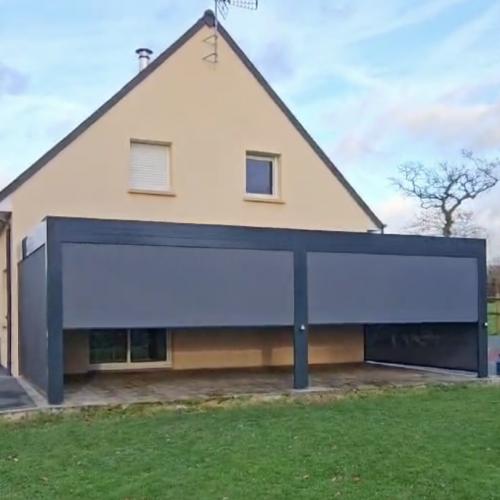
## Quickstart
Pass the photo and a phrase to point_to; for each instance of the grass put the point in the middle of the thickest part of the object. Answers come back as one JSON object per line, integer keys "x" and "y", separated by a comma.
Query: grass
{"x": 408, "y": 444}
{"x": 494, "y": 316}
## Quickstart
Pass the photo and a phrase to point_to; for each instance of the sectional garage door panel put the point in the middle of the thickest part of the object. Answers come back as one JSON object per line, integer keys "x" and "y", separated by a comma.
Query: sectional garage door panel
{"x": 158, "y": 286}
{"x": 367, "y": 288}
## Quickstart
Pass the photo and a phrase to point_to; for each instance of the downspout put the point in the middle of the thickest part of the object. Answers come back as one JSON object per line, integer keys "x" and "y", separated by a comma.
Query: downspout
{"x": 8, "y": 253}
{"x": 5, "y": 225}
{"x": 380, "y": 230}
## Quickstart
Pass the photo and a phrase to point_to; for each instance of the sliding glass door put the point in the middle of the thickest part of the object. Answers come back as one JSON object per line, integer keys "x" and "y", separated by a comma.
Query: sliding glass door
{"x": 128, "y": 348}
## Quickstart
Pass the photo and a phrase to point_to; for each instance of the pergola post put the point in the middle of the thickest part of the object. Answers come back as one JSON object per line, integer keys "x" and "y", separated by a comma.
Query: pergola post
{"x": 482, "y": 331}
{"x": 301, "y": 327}
{"x": 55, "y": 356}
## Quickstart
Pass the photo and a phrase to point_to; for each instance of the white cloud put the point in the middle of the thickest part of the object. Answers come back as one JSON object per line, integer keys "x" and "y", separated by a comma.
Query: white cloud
{"x": 40, "y": 121}
{"x": 487, "y": 215}
{"x": 463, "y": 42}
{"x": 12, "y": 81}
{"x": 471, "y": 126}
{"x": 397, "y": 212}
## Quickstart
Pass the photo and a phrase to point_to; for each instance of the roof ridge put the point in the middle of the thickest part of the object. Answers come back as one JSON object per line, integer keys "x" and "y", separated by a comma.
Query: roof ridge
{"x": 209, "y": 17}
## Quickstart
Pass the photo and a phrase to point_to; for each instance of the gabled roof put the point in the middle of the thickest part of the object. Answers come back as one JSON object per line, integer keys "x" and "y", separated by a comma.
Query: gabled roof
{"x": 208, "y": 19}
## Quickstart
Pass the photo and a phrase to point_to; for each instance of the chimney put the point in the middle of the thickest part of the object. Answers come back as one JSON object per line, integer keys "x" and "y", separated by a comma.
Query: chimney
{"x": 144, "y": 57}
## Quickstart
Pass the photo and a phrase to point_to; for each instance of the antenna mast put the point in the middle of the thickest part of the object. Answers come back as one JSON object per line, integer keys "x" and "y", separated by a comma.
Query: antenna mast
{"x": 221, "y": 8}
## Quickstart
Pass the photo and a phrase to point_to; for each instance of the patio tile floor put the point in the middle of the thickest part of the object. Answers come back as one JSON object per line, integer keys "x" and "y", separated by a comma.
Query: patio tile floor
{"x": 163, "y": 385}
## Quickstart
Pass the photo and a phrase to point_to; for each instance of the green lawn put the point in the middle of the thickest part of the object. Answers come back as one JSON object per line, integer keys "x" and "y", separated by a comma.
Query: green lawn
{"x": 494, "y": 316}
{"x": 426, "y": 443}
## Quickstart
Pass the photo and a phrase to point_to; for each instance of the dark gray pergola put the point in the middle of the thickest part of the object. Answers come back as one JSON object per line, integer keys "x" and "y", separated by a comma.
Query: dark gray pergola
{"x": 89, "y": 273}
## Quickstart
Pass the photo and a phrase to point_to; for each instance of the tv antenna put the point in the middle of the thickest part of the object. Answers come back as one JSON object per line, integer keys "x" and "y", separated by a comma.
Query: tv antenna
{"x": 221, "y": 9}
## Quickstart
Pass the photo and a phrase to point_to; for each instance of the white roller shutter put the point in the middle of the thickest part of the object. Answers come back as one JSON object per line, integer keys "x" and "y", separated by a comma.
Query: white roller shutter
{"x": 149, "y": 167}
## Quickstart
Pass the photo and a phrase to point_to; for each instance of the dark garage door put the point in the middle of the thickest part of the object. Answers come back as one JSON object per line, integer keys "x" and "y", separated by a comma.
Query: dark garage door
{"x": 452, "y": 346}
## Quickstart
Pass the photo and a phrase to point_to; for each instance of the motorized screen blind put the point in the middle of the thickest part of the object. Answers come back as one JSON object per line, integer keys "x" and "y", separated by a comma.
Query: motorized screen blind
{"x": 149, "y": 167}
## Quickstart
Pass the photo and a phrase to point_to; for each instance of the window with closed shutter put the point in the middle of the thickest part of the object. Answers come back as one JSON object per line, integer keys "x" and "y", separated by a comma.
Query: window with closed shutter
{"x": 149, "y": 167}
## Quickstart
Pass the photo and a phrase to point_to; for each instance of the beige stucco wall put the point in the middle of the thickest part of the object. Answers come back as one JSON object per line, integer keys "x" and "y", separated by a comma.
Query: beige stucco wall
{"x": 76, "y": 352}
{"x": 336, "y": 344}
{"x": 238, "y": 348}
{"x": 211, "y": 115}
{"x": 260, "y": 348}
{"x": 231, "y": 348}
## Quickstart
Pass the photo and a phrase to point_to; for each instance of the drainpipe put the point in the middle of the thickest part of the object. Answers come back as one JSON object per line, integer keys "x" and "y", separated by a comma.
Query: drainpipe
{"x": 5, "y": 225}
{"x": 8, "y": 253}
{"x": 380, "y": 230}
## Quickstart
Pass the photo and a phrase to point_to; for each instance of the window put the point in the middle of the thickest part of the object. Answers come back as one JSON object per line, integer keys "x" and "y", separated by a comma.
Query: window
{"x": 149, "y": 168}
{"x": 109, "y": 346}
{"x": 262, "y": 176}
{"x": 148, "y": 346}
{"x": 128, "y": 348}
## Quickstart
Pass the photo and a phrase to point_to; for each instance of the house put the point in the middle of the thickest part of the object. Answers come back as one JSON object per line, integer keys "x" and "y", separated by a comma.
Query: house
{"x": 191, "y": 222}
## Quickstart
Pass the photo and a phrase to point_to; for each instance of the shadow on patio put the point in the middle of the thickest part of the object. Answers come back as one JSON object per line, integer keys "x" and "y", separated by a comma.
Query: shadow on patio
{"x": 163, "y": 385}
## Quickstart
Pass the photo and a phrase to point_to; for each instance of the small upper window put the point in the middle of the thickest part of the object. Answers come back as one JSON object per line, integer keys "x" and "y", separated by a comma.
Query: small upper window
{"x": 149, "y": 167}
{"x": 261, "y": 176}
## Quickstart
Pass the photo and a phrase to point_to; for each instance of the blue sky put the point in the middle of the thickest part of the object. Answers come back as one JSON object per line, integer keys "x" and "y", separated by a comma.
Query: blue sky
{"x": 377, "y": 83}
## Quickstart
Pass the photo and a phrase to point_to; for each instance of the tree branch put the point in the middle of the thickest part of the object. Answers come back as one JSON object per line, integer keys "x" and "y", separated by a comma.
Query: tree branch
{"x": 448, "y": 186}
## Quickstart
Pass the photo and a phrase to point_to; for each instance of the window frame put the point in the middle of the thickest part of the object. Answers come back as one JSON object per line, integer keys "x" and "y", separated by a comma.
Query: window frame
{"x": 168, "y": 191}
{"x": 275, "y": 196}
{"x": 135, "y": 365}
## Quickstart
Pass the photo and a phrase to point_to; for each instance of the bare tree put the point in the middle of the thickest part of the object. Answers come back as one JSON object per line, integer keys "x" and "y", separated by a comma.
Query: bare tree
{"x": 441, "y": 191}
{"x": 431, "y": 222}
{"x": 494, "y": 278}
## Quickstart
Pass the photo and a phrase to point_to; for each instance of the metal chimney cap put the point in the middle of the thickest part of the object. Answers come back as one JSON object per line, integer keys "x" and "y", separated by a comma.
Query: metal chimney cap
{"x": 144, "y": 57}
{"x": 143, "y": 51}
